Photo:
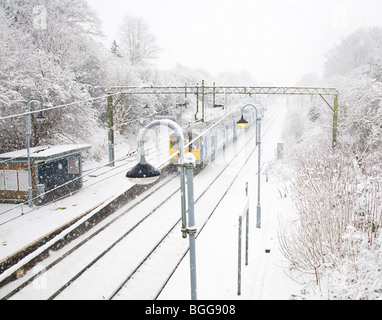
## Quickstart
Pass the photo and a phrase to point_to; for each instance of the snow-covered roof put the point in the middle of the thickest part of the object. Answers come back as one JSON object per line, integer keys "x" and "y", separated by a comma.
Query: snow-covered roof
{"x": 44, "y": 153}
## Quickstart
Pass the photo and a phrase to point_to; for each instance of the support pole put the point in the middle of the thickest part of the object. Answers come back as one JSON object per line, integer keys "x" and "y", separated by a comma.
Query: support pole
{"x": 189, "y": 164}
{"x": 247, "y": 227}
{"x": 244, "y": 214}
{"x": 259, "y": 174}
{"x": 30, "y": 190}
{"x": 214, "y": 96}
{"x": 239, "y": 258}
{"x": 110, "y": 115}
{"x": 247, "y": 237}
{"x": 202, "y": 100}
{"x": 335, "y": 121}
{"x": 197, "y": 101}
{"x": 183, "y": 200}
{"x": 28, "y": 133}
{"x": 141, "y": 150}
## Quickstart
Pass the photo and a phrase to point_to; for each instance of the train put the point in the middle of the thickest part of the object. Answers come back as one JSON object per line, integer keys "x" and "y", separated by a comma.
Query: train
{"x": 204, "y": 148}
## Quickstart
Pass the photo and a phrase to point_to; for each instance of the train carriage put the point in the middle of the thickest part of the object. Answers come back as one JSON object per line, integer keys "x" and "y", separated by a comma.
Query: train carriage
{"x": 195, "y": 147}
{"x": 205, "y": 146}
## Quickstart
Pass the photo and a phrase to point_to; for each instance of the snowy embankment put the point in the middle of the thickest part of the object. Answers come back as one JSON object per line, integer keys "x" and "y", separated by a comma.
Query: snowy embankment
{"x": 267, "y": 275}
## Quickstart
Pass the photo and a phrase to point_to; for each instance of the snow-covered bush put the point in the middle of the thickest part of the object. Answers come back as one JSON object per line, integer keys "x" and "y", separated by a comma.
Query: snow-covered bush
{"x": 308, "y": 123}
{"x": 332, "y": 194}
{"x": 338, "y": 192}
{"x": 359, "y": 273}
{"x": 360, "y": 123}
{"x": 324, "y": 191}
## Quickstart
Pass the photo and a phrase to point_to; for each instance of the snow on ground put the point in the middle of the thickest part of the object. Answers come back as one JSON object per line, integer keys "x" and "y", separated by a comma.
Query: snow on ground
{"x": 99, "y": 188}
{"x": 266, "y": 276}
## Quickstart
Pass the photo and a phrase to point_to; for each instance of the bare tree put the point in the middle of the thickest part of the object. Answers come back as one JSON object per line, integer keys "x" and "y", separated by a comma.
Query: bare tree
{"x": 138, "y": 44}
{"x": 332, "y": 194}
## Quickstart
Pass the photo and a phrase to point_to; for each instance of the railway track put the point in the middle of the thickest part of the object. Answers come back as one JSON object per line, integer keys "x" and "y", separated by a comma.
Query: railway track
{"x": 25, "y": 259}
{"x": 205, "y": 206}
{"x": 106, "y": 261}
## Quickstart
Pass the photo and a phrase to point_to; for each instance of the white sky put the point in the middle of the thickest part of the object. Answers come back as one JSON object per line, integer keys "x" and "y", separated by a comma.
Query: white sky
{"x": 276, "y": 41}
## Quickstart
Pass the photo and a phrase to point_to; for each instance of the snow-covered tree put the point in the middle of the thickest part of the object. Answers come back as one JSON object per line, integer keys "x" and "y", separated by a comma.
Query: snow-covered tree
{"x": 338, "y": 192}
{"x": 360, "y": 126}
{"x": 138, "y": 44}
{"x": 363, "y": 47}
{"x": 50, "y": 53}
{"x": 42, "y": 58}
{"x": 115, "y": 49}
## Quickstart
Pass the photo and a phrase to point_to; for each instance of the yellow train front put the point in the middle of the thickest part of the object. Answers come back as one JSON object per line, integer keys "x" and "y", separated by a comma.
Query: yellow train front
{"x": 194, "y": 148}
{"x": 205, "y": 146}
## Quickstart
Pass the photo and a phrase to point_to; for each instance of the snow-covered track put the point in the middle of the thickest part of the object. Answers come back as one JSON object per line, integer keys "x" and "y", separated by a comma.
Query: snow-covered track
{"x": 136, "y": 244}
{"x": 171, "y": 235}
{"x": 153, "y": 272}
{"x": 89, "y": 227}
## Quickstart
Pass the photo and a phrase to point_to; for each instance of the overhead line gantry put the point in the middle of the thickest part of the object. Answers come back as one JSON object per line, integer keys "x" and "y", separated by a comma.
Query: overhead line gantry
{"x": 116, "y": 94}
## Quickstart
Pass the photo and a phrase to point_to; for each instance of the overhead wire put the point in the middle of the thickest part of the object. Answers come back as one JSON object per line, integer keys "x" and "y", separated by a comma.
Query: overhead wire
{"x": 53, "y": 108}
{"x": 63, "y": 106}
{"x": 82, "y": 176}
{"x": 116, "y": 126}
{"x": 77, "y": 178}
